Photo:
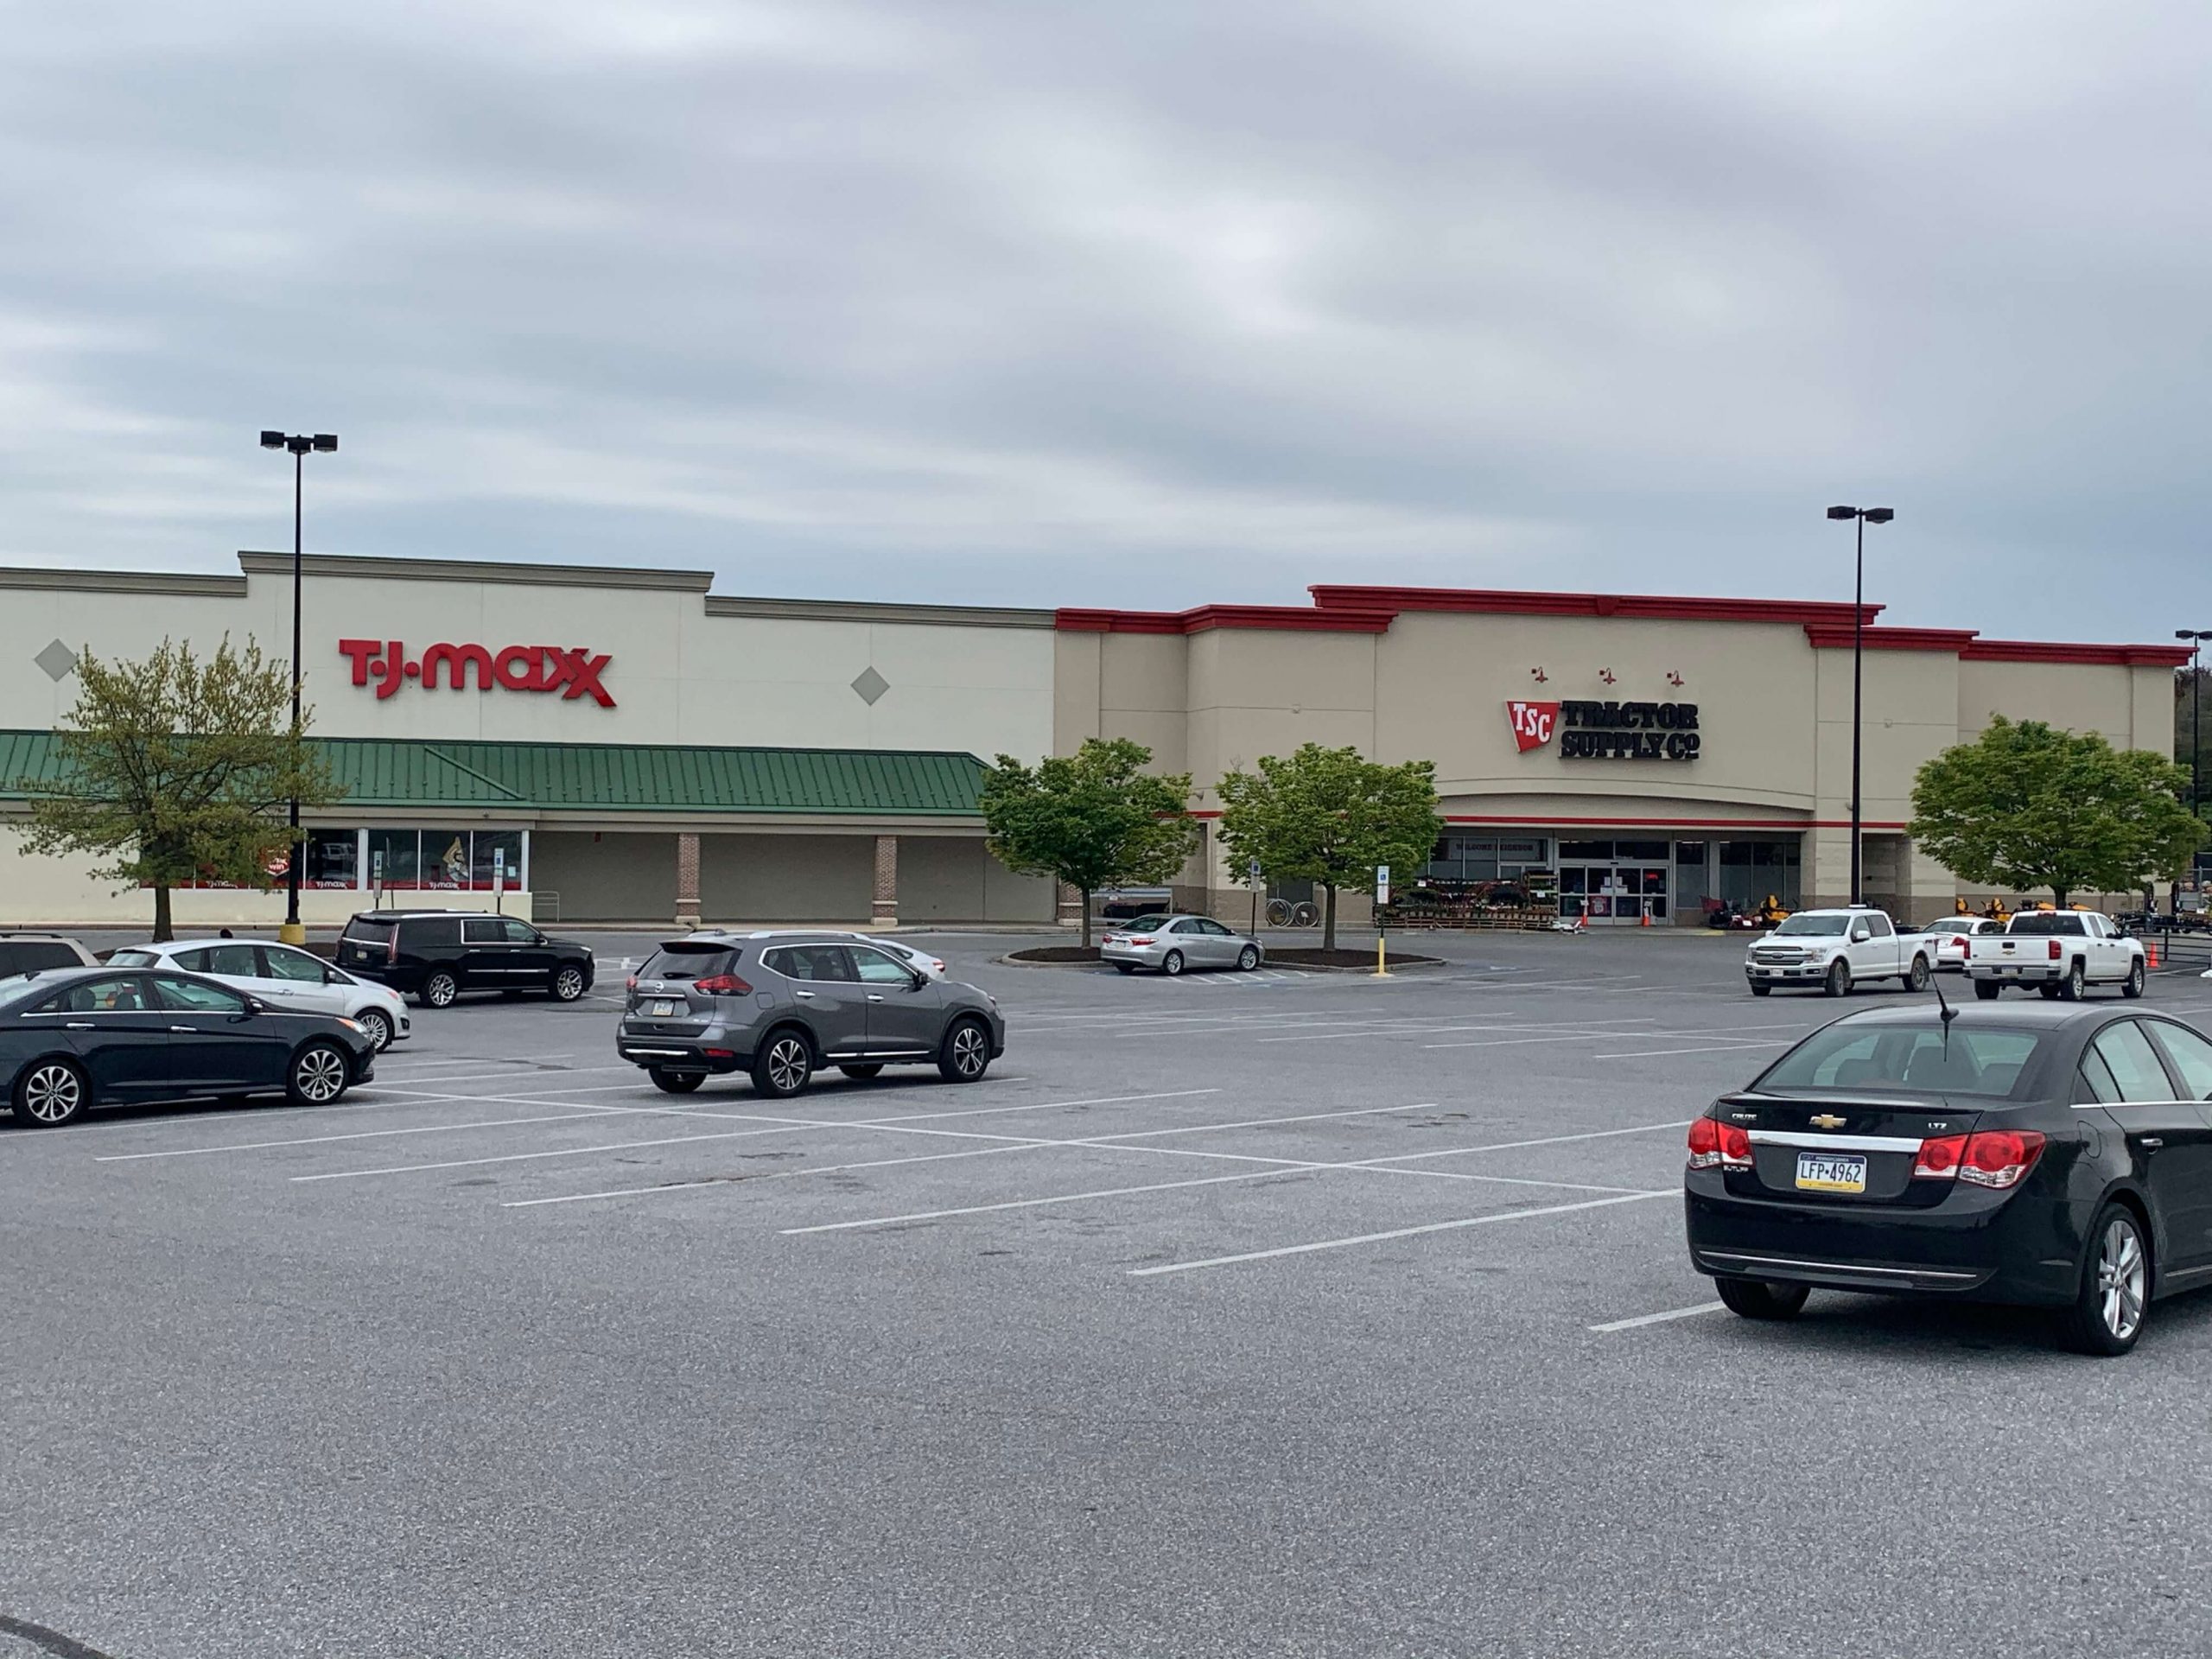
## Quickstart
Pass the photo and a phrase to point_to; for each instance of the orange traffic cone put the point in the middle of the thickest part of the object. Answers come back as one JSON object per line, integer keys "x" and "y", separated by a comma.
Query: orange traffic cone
{"x": 2151, "y": 948}
{"x": 1646, "y": 920}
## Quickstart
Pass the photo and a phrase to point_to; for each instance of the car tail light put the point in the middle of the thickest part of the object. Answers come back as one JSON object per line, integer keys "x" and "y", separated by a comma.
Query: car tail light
{"x": 631, "y": 983}
{"x": 391, "y": 948}
{"x": 1138, "y": 939}
{"x": 722, "y": 985}
{"x": 1705, "y": 1143}
{"x": 719, "y": 1053}
{"x": 2000, "y": 1157}
{"x": 1939, "y": 1158}
{"x": 1735, "y": 1147}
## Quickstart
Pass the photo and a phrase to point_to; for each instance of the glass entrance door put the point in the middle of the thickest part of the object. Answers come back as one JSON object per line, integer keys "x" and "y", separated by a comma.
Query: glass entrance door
{"x": 1615, "y": 895}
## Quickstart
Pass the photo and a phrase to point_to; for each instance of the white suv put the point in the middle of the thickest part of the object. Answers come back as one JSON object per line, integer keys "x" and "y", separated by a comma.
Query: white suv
{"x": 284, "y": 976}
{"x": 1831, "y": 950}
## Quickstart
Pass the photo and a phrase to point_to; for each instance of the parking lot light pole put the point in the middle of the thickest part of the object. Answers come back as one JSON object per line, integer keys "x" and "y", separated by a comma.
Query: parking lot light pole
{"x": 299, "y": 444}
{"x": 2196, "y": 637}
{"x": 1865, "y": 516}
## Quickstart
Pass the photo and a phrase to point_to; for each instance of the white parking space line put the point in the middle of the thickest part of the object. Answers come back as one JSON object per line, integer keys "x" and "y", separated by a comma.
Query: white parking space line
{"x": 513, "y": 1076}
{"x": 1641, "y": 1319}
{"x": 389, "y": 1058}
{"x": 1564, "y": 1027}
{"x": 771, "y": 1175}
{"x": 909, "y": 1124}
{"x": 1358, "y": 1239}
{"x": 1542, "y": 1140}
{"x": 1032, "y": 1204}
{"x": 357, "y": 1135}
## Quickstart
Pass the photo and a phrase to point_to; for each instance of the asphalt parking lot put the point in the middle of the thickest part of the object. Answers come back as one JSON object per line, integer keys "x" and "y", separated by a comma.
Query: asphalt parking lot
{"x": 1289, "y": 1314}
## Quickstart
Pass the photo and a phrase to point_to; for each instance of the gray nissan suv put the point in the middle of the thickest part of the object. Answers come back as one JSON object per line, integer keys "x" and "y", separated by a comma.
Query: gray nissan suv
{"x": 782, "y": 1005}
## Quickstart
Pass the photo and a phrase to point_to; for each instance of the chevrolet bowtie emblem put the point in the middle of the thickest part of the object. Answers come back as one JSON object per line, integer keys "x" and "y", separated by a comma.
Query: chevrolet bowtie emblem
{"x": 1829, "y": 1121}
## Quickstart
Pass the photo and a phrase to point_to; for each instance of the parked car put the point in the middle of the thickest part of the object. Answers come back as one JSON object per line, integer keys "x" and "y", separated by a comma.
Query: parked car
{"x": 75, "y": 1038}
{"x": 1831, "y": 950}
{"x": 434, "y": 956}
{"x": 1172, "y": 944}
{"x": 284, "y": 976}
{"x": 30, "y": 953}
{"x": 2051, "y": 1156}
{"x": 1949, "y": 936}
{"x": 784, "y": 1007}
{"x": 2060, "y": 952}
{"x": 933, "y": 966}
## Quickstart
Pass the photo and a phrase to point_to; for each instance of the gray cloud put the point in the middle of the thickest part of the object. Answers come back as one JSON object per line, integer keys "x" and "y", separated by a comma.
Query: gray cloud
{"x": 1147, "y": 303}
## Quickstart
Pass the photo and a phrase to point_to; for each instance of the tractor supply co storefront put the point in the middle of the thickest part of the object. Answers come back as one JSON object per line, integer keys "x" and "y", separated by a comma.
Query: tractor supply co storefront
{"x": 669, "y": 754}
{"x": 1646, "y": 757}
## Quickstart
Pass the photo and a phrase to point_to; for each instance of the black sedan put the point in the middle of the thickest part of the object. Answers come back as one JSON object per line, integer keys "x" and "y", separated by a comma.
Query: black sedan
{"x": 76, "y": 1037}
{"x": 2058, "y": 1155}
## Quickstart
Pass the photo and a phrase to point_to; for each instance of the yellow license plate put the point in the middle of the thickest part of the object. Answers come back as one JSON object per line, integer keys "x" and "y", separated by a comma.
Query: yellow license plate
{"x": 1829, "y": 1171}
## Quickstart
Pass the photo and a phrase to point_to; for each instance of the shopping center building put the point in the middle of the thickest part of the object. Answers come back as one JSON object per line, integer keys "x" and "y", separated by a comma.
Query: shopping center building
{"x": 607, "y": 744}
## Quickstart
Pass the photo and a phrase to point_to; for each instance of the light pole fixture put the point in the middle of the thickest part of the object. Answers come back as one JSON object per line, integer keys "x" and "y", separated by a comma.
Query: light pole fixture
{"x": 299, "y": 443}
{"x": 1865, "y": 516}
{"x": 2196, "y": 637}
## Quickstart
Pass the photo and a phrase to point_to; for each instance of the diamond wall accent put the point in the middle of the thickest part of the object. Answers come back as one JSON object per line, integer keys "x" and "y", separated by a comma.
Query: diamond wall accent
{"x": 870, "y": 685}
{"x": 58, "y": 660}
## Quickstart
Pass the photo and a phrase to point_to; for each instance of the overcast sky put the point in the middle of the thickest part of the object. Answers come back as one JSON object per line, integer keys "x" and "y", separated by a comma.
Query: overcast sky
{"x": 1135, "y": 303}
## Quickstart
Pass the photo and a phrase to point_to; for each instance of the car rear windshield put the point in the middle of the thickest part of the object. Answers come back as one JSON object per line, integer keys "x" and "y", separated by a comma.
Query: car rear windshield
{"x": 134, "y": 959}
{"x": 1138, "y": 924}
{"x": 29, "y": 956}
{"x": 368, "y": 932}
{"x": 2043, "y": 925}
{"x": 1814, "y": 925}
{"x": 1913, "y": 1060}
{"x": 689, "y": 962}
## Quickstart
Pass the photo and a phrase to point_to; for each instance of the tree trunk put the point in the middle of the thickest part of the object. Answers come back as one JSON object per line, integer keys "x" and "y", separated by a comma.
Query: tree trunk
{"x": 162, "y": 931}
{"x": 1086, "y": 917}
{"x": 1329, "y": 918}
{"x": 2059, "y": 893}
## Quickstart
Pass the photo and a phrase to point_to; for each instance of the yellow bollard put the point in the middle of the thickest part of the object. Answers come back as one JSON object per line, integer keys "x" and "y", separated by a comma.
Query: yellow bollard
{"x": 1382, "y": 961}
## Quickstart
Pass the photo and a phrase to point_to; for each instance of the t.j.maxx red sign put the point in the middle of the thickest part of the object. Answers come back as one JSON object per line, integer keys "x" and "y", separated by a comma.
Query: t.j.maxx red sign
{"x": 572, "y": 671}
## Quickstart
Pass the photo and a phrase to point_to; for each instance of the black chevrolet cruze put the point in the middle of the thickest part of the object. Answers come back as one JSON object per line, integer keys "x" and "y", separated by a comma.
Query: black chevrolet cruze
{"x": 2058, "y": 1155}
{"x": 77, "y": 1037}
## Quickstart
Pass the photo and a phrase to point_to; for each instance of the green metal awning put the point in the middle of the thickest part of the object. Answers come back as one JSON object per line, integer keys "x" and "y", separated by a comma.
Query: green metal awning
{"x": 606, "y": 776}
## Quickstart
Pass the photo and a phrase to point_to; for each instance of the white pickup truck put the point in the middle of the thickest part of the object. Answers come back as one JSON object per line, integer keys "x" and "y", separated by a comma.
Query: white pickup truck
{"x": 2060, "y": 952}
{"x": 1831, "y": 950}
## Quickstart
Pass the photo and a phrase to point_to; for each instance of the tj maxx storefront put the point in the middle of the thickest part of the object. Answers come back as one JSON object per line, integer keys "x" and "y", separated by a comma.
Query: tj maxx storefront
{"x": 1657, "y": 754}
{"x": 587, "y": 744}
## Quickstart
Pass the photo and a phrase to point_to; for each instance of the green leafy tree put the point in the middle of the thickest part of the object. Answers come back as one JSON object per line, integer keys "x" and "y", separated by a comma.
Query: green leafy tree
{"x": 1328, "y": 816}
{"x": 2026, "y": 806}
{"x": 177, "y": 770}
{"x": 1092, "y": 819}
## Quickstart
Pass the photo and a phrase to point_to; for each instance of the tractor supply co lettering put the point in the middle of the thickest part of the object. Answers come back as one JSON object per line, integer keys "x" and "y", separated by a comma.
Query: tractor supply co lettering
{"x": 572, "y": 671}
{"x": 1590, "y": 730}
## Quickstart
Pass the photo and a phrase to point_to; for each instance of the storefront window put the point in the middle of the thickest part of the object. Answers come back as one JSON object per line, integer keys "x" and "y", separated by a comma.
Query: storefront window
{"x": 1600, "y": 851}
{"x": 497, "y": 851}
{"x": 332, "y": 858}
{"x": 445, "y": 859}
{"x": 1641, "y": 852}
{"x": 394, "y": 858}
{"x": 1751, "y": 870}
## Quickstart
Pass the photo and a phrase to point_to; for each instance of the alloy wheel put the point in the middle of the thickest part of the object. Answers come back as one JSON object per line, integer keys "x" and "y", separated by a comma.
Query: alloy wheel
{"x": 569, "y": 984}
{"x": 320, "y": 1075}
{"x": 377, "y": 1028}
{"x": 2123, "y": 1279}
{"x": 53, "y": 1094}
{"x": 970, "y": 1053}
{"x": 788, "y": 1065}
{"x": 439, "y": 992}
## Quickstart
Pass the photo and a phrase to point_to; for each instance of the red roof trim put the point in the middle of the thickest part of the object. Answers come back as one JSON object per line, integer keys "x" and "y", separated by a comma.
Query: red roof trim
{"x": 1285, "y": 619}
{"x": 1498, "y": 602}
{"x": 1837, "y": 636}
{"x": 2039, "y": 651}
{"x": 1667, "y": 823}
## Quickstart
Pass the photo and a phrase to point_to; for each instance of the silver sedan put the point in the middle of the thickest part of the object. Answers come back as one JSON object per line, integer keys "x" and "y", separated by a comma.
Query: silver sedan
{"x": 1172, "y": 943}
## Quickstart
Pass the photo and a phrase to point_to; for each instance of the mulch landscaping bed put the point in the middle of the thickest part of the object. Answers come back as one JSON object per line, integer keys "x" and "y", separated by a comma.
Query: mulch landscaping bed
{"x": 1292, "y": 957}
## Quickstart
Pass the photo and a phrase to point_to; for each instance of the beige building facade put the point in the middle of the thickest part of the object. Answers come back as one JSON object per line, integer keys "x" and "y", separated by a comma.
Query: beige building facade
{"x": 1661, "y": 755}
{"x": 587, "y": 744}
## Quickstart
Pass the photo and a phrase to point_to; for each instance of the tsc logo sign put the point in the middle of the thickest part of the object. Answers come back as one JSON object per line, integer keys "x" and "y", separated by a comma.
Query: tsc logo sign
{"x": 1533, "y": 723}
{"x": 572, "y": 671}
